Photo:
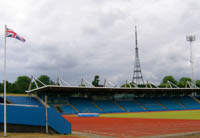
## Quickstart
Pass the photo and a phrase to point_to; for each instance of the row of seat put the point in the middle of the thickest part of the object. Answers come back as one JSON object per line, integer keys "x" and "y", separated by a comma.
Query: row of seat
{"x": 75, "y": 105}
{"x": 23, "y": 100}
{"x": 189, "y": 103}
{"x": 131, "y": 106}
{"x": 84, "y": 105}
{"x": 108, "y": 106}
{"x": 141, "y": 104}
{"x": 149, "y": 104}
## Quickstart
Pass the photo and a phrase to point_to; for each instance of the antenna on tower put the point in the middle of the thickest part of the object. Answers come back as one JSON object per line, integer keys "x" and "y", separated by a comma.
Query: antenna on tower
{"x": 136, "y": 44}
{"x": 190, "y": 39}
{"x": 137, "y": 72}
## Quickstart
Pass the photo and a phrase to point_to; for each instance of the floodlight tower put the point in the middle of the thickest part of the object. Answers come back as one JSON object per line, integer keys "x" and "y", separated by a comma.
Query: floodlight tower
{"x": 190, "y": 39}
{"x": 137, "y": 72}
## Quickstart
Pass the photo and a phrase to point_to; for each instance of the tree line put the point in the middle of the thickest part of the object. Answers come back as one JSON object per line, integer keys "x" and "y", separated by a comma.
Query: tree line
{"x": 22, "y": 83}
{"x": 181, "y": 83}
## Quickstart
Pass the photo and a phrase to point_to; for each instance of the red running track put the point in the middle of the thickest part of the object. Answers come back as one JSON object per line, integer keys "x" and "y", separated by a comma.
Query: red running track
{"x": 132, "y": 127}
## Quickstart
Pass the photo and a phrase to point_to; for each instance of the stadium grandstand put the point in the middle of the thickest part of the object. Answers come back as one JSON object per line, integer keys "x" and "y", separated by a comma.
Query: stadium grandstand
{"x": 27, "y": 114}
{"x": 45, "y": 105}
{"x": 89, "y": 99}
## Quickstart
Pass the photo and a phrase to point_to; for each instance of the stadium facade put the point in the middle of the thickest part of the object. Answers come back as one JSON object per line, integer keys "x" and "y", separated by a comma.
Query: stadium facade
{"x": 85, "y": 99}
{"x": 29, "y": 113}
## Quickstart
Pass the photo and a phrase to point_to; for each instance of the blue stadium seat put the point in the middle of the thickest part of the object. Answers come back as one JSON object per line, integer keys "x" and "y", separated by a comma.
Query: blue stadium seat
{"x": 84, "y": 105}
{"x": 130, "y": 106}
{"x": 57, "y": 100}
{"x": 20, "y": 113}
{"x": 23, "y": 100}
{"x": 150, "y": 104}
{"x": 109, "y": 106}
{"x": 188, "y": 102}
{"x": 170, "y": 103}
{"x": 68, "y": 109}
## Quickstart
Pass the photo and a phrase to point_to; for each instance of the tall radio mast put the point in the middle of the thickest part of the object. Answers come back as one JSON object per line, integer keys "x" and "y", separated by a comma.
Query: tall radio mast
{"x": 137, "y": 72}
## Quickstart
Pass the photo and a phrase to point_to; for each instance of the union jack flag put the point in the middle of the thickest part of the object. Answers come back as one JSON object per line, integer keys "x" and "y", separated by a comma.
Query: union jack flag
{"x": 11, "y": 33}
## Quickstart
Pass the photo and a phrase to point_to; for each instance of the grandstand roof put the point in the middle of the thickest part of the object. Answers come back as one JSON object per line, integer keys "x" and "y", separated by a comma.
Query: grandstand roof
{"x": 55, "y": 88}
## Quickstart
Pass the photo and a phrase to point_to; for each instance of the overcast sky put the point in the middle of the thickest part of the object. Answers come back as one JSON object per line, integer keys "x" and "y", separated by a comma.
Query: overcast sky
{"x": 78, "y": 39}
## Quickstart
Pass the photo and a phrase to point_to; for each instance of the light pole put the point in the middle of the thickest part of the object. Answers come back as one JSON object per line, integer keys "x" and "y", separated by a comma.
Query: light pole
{"x": 190, "y": 39}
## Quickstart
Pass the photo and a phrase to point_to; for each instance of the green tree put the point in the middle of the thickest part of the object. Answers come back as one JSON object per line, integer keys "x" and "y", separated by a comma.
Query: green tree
{"x": 165, "y": 80}
{"x": 149, "y": 85}
{"x": 96, "y": 80}
{"x": 1, "y": 87}
{"x": 8, "y": 87}
{"x": 21, "y": 84}
{"x": 46, "y": 80}
{"x": 128, "y": 85}
{"x": 183, "y": 81}
{"x": 142, "y": 85}
{"x": 198, "y": 83}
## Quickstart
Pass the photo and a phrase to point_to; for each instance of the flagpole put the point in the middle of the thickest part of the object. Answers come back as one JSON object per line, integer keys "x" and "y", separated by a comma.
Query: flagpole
{"x": 4, "y": 81}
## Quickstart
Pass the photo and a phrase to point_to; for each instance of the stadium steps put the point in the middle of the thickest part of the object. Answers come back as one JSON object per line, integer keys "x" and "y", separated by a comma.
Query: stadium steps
{"x": 97, "y": 106}
{"x": 74, "y": 107}
{"x": 181, "y": 104}
{"x": 58, "y": 109}
{"x": 196, "y": 99}
{"x": 39, "y": 99}
{"x": 24, "y": 100}
{"x": 140, "y": 104}
{"x": 7, "y": 101}
{"x": 35, "y": 116}
{"x": 160, "y": 104}
{"x": 120, "y": 106}
{"x": 29, "y": 111}
{"x": 43, "y": 103}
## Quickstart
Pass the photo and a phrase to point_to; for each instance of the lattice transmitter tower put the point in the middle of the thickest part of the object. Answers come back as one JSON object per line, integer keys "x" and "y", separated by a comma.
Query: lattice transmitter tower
{"x": 137, "y": 72}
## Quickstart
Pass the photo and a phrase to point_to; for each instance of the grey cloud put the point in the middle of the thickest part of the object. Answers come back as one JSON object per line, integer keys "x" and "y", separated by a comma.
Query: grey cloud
{"x": 108, "y": 19}
{"x": 79, "y": 39}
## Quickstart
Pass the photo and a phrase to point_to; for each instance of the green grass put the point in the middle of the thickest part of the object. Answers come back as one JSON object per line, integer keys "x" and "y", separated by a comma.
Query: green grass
{"x": 193, "y": 114}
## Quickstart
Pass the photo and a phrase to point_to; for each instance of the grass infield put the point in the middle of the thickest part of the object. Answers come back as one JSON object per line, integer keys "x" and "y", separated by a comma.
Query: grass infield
{"x": 189, "y": 114}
